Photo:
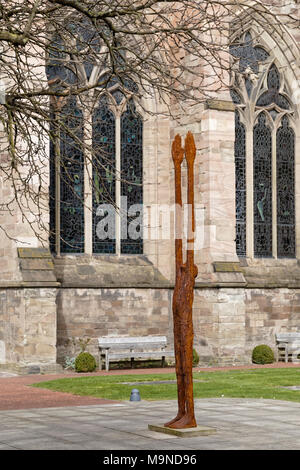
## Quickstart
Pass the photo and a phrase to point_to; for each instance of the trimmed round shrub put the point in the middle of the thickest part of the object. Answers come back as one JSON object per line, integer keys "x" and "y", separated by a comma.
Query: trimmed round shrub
{"x": 85, "y": 362}
{"x": 262, "y": 354}
{"x": 195, "y": 358}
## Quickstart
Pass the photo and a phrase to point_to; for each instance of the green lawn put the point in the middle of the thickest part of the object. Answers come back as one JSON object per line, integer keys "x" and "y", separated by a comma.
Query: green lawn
{"x": 253, "y": 383}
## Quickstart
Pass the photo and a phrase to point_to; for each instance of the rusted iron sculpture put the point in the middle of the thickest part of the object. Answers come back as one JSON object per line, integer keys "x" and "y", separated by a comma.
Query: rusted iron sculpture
{"x": 184, "y": 288}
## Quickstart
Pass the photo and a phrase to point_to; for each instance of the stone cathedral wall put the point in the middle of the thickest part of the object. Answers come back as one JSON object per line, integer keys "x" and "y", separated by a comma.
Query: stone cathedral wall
{"x": 228, "y": 322}
{"x": 37, "y": 325}
{"x": 44, "y": 303}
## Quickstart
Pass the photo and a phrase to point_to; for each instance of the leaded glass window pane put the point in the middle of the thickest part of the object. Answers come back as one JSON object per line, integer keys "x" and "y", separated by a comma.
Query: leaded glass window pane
{"x": 104, "y": 181}
{"x": 235, "y": 96}
{"x": 57, "y": 64}
{"x": 285, "y": 148}
{"x": 88, "y": 42}
{"x": 240, "y": 185}
{"x": 71, "y": 181}
{"x": 262, "y": 162}
{"x": 132, "y": 179}
{"x": 249, "y": 86}
{"x": 249, "y": 56}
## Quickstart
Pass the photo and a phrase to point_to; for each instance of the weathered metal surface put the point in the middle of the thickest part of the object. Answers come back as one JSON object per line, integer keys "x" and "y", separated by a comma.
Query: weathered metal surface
{"x": 183, "y": 297}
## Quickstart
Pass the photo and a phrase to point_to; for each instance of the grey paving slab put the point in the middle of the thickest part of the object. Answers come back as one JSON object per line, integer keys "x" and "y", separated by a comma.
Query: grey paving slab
{"x": 96, "y": 445}
{"x": 12, "y": 435}
{"x": 7, "y": 447}
{"x": 50, "y": 412}
{"x": 291, "y": 420}
{"x": 89, "y": 418}
{"x": 269, "y": 425}
{"x": 24, "y": 414}
{"x": 46, "y": 444}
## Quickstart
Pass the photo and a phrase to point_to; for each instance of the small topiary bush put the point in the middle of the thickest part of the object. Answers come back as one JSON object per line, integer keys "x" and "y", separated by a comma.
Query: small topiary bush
{"x": 262, "y": 354}
{"x": 85, "y": 362}
{"x": 195, "y": 358}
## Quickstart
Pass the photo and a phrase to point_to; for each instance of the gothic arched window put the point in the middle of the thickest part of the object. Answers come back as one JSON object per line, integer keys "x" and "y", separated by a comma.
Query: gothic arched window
{"x": 264, "y": 154}
{"x": 96, "y": 156}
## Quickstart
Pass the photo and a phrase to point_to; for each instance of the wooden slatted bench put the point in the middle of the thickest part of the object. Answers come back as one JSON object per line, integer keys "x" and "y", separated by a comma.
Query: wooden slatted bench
{"x": 137, "y": 347}
{"x": 287, "y": 344}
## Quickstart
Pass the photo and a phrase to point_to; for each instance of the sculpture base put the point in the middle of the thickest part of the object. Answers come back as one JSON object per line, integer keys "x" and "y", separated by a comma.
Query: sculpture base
{"x": 188, "y": 432}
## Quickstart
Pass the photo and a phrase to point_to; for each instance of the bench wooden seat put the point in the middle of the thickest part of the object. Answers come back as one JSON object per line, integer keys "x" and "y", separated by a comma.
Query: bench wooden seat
{"x": 136, "y": 347}
{"x": 288, "y": 344}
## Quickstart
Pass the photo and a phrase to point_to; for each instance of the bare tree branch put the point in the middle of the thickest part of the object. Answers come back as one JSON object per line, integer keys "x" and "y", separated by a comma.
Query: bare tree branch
{"x": 54, "y": 51}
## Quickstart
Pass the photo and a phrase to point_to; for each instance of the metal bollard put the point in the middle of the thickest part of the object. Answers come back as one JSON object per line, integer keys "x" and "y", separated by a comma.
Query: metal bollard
{"x": 135, "y": 395}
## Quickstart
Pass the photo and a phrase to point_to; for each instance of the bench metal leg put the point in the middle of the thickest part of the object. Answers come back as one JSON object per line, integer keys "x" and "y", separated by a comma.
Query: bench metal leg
{"x": 106, "y": 361}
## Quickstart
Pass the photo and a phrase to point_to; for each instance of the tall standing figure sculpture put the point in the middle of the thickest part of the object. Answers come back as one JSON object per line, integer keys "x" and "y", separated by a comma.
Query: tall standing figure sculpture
{"x": 183, "y": 297}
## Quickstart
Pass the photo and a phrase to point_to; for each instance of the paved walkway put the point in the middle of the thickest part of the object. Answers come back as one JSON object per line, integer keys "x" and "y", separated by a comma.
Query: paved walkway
{"x": 241, "y": 424}
{"x": 35, "y": 419}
